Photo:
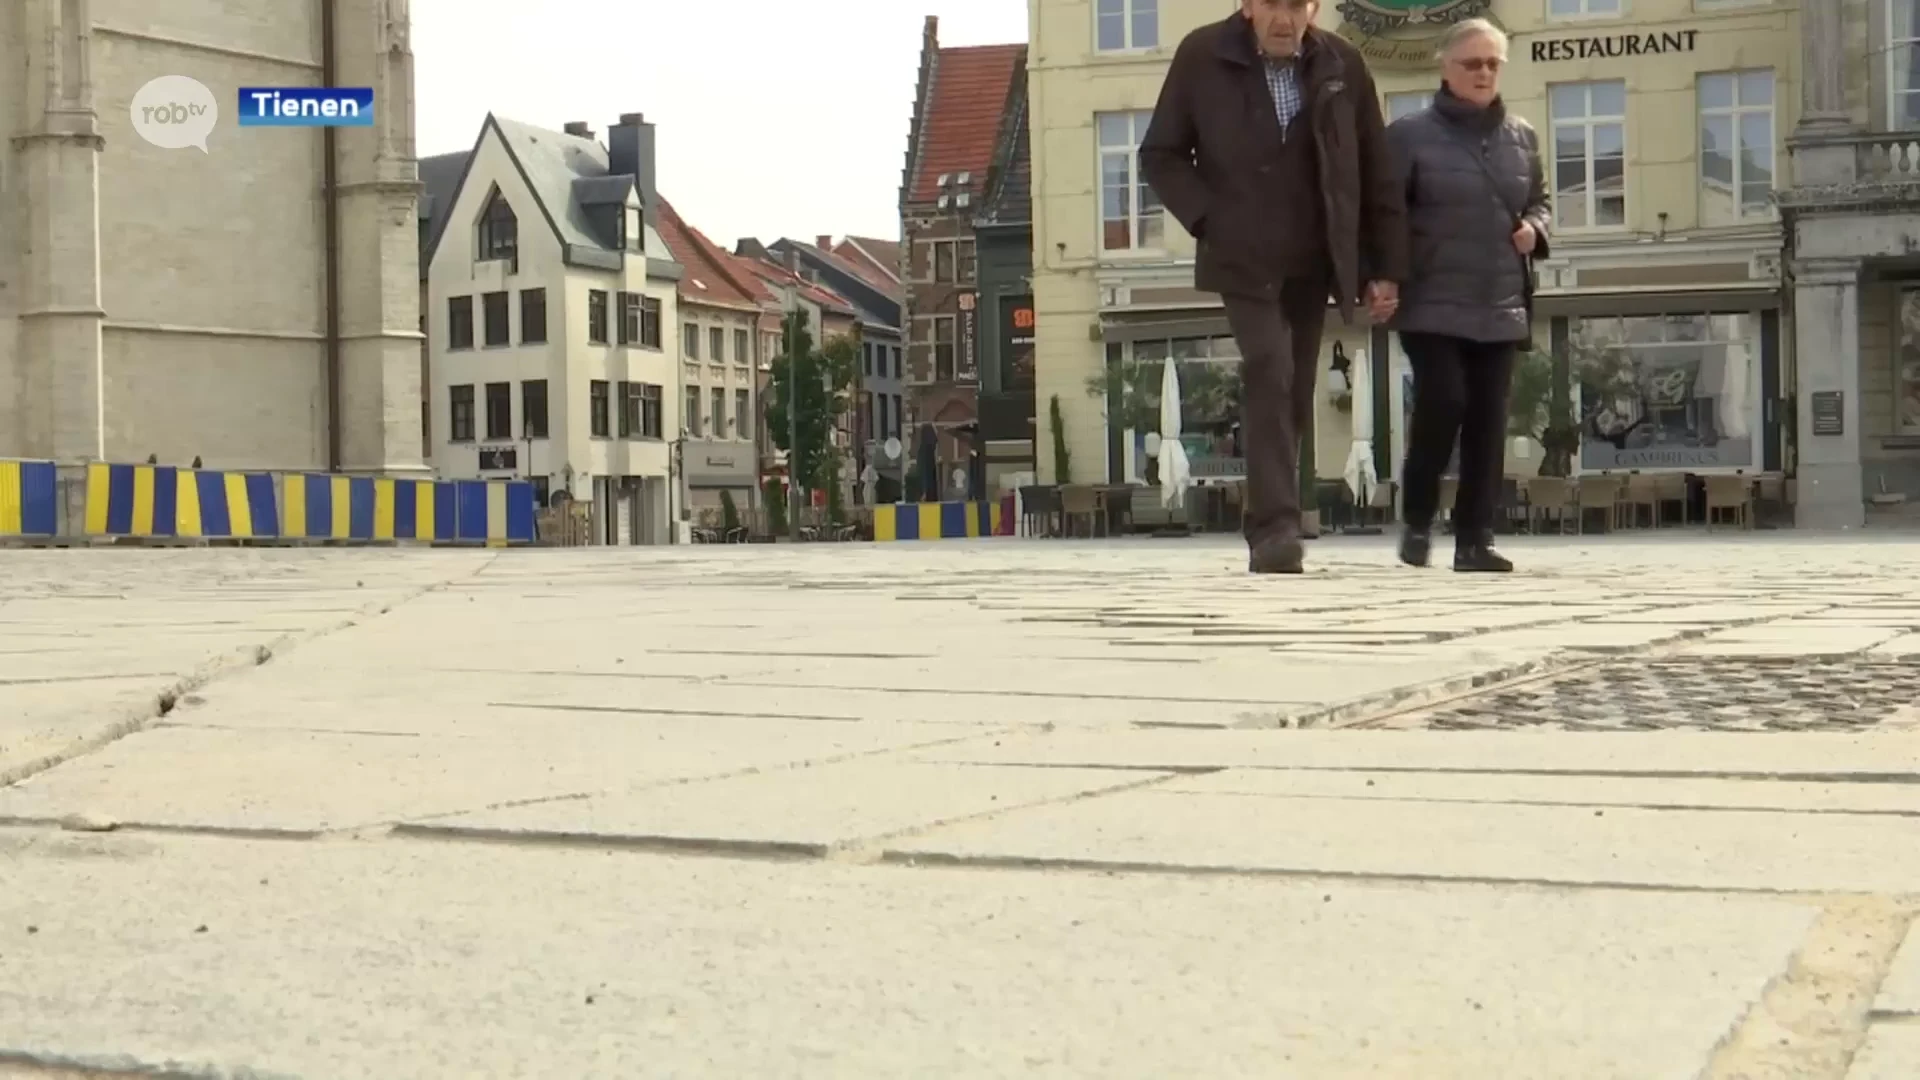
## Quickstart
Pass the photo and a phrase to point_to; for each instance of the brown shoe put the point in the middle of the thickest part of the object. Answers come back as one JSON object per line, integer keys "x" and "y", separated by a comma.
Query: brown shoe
{"x": 1279, "y": 555}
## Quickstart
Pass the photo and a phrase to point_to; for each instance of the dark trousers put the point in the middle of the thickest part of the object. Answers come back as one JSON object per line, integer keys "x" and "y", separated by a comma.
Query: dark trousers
{"x": 1460, "y": 390}
{"x": 1280, "y": 359}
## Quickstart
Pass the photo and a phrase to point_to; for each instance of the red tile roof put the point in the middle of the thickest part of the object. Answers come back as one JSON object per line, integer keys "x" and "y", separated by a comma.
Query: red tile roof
{"x": 775, "y": 276}
{"x": 711, "y": 276}
{"x": 960, "y": 119}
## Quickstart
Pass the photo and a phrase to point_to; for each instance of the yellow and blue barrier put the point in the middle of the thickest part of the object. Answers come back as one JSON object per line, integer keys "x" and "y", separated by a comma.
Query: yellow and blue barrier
{"x": 938, "y": 521}
{"x": 164, "y": 502}
{"x": 372, "y": 509}
{"x": 365, "y": 508}
{"x": 28, "y": 499}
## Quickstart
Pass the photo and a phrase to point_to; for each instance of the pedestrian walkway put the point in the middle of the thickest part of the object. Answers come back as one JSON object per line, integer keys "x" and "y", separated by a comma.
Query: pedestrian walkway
{"x": 1644, "y": 809}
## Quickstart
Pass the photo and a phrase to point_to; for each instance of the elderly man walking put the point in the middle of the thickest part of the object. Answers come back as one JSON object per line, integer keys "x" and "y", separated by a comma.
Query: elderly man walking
{"x": 1268, "y": 145}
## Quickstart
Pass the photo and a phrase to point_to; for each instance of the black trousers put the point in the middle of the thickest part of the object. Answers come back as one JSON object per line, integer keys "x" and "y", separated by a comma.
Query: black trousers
{"x": 1460, "y": 391}
{"x": 1279, "y": 343}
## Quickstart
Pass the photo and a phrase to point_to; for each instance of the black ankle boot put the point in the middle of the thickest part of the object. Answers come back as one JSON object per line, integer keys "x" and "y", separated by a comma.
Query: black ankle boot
{"x": 1475, "y": 555}
{"x": 1416, "y": 546}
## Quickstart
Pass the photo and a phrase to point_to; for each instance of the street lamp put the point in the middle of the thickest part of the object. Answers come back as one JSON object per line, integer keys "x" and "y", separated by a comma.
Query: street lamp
{"x": 790, "y": 310}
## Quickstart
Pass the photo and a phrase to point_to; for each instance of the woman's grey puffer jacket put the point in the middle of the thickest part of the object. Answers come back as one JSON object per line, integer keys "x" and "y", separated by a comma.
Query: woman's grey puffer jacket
{"x": 1467, "y": 281}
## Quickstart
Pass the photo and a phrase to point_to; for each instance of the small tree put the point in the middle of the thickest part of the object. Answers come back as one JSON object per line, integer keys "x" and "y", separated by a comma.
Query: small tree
{"x": 825, "y": 378}
{"x": 729, "y": 513}
{"x": 775, "y": 493}
{"x": 1062, "y": 460}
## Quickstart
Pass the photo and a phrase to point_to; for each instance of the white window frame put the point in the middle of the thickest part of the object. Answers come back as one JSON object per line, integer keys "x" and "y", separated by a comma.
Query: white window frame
{"x": 1138, "y": 192}
{"x": 1588, "y": 122}
{"x": 1424, "y": 97}
{"x": 1129, "y": 10}
{"x": 1589, "y": 9}
{"x": 1897, "y": 49}
{"x": 1737, "y": 112}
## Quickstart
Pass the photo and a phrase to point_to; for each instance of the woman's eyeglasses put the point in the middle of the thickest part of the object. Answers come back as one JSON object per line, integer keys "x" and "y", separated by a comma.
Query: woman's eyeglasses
{"x": 1481, "y": 63}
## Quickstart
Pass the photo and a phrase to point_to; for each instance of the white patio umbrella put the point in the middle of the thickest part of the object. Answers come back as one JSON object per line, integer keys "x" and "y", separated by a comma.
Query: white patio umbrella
{"x": 1360, "y": 476}
{"x": 1174, "y": 470}
{"x": 1734, "y": 392}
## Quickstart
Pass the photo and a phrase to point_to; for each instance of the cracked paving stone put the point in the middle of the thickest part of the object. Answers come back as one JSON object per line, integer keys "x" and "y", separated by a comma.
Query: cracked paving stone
{"x": 1758, "y": 694}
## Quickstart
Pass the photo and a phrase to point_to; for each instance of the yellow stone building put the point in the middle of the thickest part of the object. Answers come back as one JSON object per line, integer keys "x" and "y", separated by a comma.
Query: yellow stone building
{"x": 1664, "y": 123}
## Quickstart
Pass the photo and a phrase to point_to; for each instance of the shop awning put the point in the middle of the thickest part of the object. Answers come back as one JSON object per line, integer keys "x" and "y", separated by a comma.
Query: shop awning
{"x": 1151, "y": 325}
{"x": 1661, "y": 301}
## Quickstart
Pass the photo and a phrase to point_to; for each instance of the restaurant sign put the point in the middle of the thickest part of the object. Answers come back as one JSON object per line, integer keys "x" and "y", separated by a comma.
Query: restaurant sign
{"x": 1403, "y": 33}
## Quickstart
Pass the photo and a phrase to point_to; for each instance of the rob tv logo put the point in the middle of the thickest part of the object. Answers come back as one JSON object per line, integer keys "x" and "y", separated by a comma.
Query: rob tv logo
{"x": 306, "y": 106}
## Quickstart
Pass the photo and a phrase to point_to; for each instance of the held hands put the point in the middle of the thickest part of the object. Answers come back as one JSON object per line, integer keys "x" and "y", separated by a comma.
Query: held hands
{"x": 1525, "y": 239}
{"x": 1383, "y": 299}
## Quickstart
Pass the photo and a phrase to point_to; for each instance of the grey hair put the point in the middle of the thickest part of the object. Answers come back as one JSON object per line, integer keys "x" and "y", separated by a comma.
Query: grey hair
{"x": 1466, "y": 30}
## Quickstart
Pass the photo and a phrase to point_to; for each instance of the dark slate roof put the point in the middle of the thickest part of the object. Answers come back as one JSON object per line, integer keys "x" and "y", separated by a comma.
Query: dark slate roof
{"x": 1010, "y": 196}
{"x": 602, "y": 190}
{"x": 439, "y": 181}
{"x": 885, "y": 314}
{"x": 552, "y": 162}
{"x": 553, "y": 165}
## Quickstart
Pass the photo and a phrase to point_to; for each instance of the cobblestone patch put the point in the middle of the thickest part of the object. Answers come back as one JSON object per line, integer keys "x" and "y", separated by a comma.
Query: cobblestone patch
{"x": 1759, "y": 694}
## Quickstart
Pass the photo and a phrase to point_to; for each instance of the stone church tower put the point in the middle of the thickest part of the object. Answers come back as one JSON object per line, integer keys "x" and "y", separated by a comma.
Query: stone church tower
{"x": 247, "y": 305}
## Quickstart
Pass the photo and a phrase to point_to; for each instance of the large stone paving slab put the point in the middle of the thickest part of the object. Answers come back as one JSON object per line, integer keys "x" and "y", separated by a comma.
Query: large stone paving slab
{"x": 1882, "y": 757}
{"x": 1574, "y": 845}
{"x": 1495, "y": 788}
{"x": 806, "y": 808}
{"x": 301, "y": 781}
{"x": 1007, "y": 702}
{"x": 1900, "y": 993}
{"x": 1891, "y": 1052}
{"x": 92, "y": 643}
{"x": 349, "y": 960}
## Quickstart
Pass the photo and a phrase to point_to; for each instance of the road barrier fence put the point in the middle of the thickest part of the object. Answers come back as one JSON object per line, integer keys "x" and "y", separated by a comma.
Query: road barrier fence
{"x": 43, "y": 504}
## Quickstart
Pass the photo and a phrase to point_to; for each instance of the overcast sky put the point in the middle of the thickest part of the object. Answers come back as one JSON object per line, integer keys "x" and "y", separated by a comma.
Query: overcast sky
{"x": 774, "y": 117}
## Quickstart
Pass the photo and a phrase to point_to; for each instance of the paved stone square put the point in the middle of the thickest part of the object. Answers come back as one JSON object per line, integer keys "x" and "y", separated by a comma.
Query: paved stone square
{"x": 1646, "y": 808}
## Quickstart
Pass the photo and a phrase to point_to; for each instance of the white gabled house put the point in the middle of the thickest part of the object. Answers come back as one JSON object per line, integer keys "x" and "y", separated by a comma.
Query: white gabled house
{"x": 550, "y": 308}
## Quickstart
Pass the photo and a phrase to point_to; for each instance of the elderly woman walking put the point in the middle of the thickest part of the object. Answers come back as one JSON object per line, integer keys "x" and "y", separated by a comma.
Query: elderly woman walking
{"x": 1478, "y": 216}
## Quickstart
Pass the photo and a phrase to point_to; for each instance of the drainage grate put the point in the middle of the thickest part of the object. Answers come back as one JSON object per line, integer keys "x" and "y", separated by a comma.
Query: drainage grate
{"x": 1830, "y": 694}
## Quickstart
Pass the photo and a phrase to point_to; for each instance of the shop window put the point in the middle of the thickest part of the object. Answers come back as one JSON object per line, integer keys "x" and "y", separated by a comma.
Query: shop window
{"x": 1667, "y": 391}
{"x": 1208, "y": 381}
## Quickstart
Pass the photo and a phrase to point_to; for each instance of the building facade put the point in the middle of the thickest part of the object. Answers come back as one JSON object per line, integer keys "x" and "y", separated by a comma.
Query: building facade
{"x": 1853, "y": 215}
{"x": 1003, "y": 247}
{"x": 959, "y": 101}
{"x": 722, "y": 310}
{"x": 552, "y": 324}
{"x": 179, "y": 304}
{"x": 1660, "y": 320}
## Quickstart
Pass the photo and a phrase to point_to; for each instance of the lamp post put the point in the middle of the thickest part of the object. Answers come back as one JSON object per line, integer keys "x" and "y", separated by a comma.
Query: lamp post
{"x": 790, "y": 309}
